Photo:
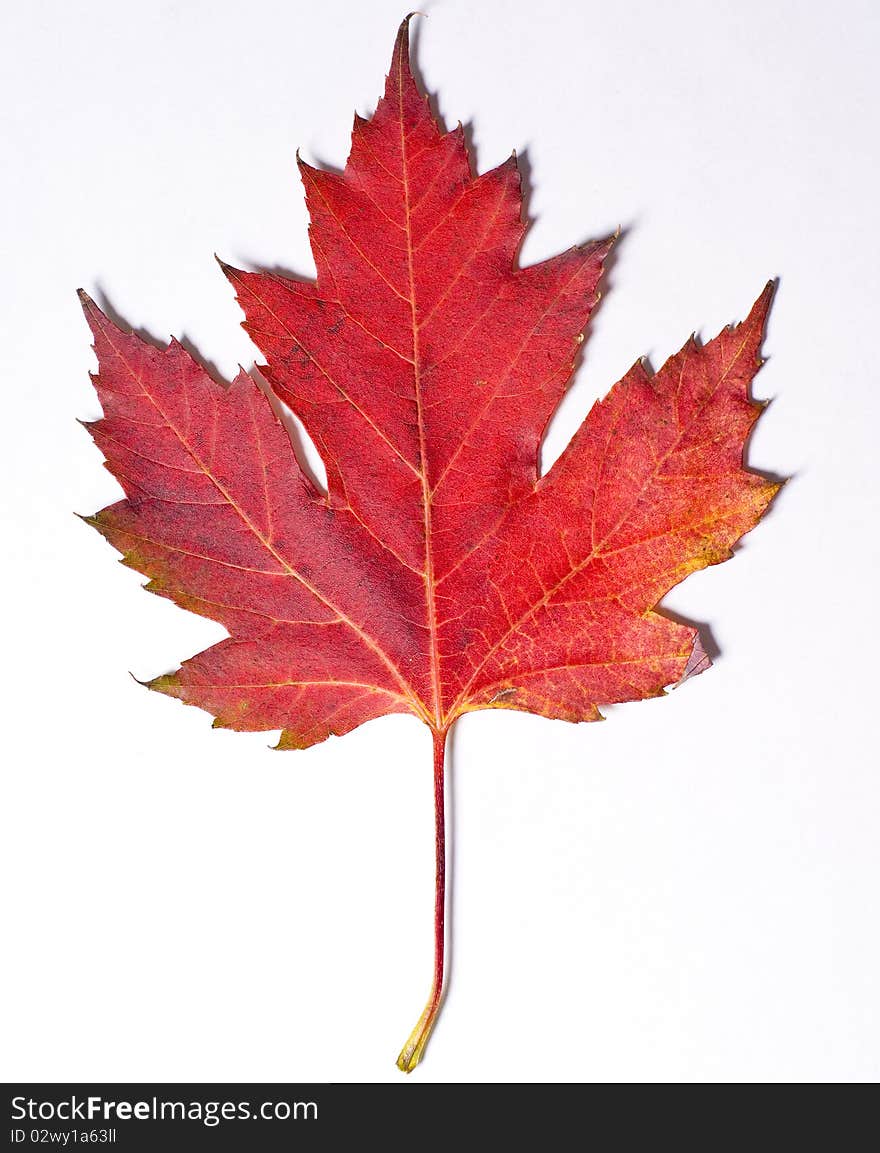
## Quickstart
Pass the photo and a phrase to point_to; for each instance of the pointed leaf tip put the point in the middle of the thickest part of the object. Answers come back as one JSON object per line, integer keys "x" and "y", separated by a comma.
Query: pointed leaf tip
{"x": 698, "y": 661}
{"x": 231, "y": 273}
{"x": 400, "y": 54}
{"x": 760, "y": 309}
{"x": 167, "y": 683}
{"x": 88, "y": 305}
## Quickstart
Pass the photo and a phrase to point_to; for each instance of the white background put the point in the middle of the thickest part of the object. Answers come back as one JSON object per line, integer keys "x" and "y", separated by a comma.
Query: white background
{"x": 686, "y": 892}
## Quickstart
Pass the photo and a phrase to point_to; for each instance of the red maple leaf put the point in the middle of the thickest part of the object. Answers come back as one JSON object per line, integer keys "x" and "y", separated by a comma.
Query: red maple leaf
{"x": 440, "y": 574}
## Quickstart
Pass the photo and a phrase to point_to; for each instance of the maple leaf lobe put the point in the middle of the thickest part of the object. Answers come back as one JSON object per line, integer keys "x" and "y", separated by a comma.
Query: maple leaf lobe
{"x": 440, "y": 574}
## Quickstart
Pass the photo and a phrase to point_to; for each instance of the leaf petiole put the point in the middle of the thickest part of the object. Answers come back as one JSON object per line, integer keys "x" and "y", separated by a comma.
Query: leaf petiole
{"x": 411, "y": 1053}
